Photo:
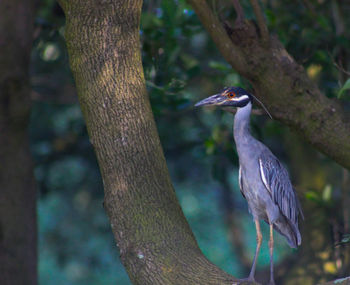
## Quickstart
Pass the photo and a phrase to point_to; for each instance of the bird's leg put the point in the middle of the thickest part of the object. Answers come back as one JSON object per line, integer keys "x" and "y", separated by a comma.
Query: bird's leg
{"x": 258, "y": 245}
{"x": 272, "y": 280}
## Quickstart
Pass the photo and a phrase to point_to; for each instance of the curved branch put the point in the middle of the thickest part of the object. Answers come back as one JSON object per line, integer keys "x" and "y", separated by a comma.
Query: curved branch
{"x": 261, "y": 22}
{"x": 283, "y": 85}
{"x": 340, "y": 281}
{"x": 214, "y": 27}
{"x": 239, "y": 12}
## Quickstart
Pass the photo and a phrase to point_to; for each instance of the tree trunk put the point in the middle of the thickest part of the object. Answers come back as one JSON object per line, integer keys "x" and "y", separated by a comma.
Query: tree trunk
{"x": 156, "y": 244}
{"x": 18, "y": 230}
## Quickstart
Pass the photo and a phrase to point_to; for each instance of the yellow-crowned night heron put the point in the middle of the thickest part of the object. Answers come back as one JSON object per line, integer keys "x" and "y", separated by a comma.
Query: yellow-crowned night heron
{"x": 263, "y": 180}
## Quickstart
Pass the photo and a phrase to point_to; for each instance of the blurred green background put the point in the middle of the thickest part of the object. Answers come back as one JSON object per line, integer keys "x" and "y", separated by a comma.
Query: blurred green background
{"x": 181, "y": 66}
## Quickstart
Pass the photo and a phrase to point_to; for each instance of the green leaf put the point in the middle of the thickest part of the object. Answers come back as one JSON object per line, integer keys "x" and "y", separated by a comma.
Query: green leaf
{"x": 345, "y": 87}
{"x": 189, "y": 61}
{"x": 312, "y": 196}
{"x": 324, "y": 22}
{"x": 327, "y": 193}
{"x": 150, "y": 21}
{"x": 209, "y": 146}
{"x": 219, "y": 65}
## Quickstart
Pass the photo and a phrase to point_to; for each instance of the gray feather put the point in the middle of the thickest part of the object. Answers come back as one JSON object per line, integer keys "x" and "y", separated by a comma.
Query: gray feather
{"x": 276, "y": 180}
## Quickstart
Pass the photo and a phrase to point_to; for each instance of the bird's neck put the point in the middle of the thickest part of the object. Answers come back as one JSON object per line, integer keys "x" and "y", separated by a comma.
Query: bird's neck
{"x": 241, "y": 126}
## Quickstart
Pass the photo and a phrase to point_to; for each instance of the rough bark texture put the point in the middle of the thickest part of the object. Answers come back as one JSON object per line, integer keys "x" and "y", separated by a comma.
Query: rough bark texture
{"x": 281, "y": 83}
{"x": 156, "y": 244}
{"x": 18, "y": 234}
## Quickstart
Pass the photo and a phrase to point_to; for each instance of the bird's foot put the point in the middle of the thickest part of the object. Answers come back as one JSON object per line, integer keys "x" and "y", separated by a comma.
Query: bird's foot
{"x": 272, "y": 282}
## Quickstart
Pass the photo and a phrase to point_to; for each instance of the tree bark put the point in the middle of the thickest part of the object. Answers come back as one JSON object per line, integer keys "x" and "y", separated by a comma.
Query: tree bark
{"x": 18, "y": 230}
{"x": 155, "y": 241}
{"x": 281, "y": 84}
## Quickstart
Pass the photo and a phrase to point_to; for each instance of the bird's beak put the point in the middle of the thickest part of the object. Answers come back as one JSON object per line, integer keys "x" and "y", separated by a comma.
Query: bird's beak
{"x": 216, "y": 99}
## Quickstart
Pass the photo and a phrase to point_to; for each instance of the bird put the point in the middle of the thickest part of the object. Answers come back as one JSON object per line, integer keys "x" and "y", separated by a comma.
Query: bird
{"x": 263, "y": 181}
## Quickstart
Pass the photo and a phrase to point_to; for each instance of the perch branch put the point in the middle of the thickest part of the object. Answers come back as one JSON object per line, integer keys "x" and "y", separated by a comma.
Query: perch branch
{"x": 261, "y": 22}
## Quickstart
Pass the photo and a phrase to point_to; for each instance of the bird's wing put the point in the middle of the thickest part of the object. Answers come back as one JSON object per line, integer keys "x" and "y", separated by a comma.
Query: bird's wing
{"x": 240, "y": 181}
{"x": 276, "y": 180}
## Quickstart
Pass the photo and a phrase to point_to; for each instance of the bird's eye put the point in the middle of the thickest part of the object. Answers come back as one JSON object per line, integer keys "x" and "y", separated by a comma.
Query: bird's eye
{"x": 231, "y": 94}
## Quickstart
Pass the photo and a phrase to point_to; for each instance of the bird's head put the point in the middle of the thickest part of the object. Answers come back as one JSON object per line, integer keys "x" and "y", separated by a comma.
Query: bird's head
{"x": 229, "y": 96}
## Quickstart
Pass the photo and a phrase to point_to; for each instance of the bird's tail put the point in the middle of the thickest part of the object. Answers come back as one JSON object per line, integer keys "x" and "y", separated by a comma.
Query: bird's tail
{"x": 289, "y": 230}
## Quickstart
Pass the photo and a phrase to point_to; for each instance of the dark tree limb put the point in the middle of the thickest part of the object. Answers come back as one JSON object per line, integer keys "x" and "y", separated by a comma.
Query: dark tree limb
{"x": 261, "y": 22}
{"x": 18, "y": 228}
{"x": 239, "y": 12}
{"x": 283, "y": 85}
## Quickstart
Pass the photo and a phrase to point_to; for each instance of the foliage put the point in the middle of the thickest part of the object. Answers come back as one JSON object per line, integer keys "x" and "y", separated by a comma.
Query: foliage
{"x": 181, "y": 66}
{"x": 345, "y": 87}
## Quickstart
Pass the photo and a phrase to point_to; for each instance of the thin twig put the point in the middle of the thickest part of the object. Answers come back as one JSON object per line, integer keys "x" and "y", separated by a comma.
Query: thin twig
{"x": 338, "y": 18}
{"x": 224, "y": 43}
{"x": 342, "y": 52}
{"x": 338, "y": 66}
{"x": 346, "y": 200}
{"x": 341, "y": 68}
{"x": 239, "y": 11}
{"x": 311, "y": 8}
{"x": 261, "y": 22}
{"x": 346, "y": 213}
